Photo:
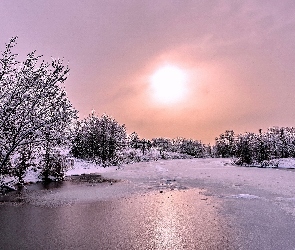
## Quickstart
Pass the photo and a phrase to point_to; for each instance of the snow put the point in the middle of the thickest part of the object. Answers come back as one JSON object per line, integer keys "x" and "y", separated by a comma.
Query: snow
{"x": 79, "y": 167}
{"x": 286, "y": 163}
{"x": 246, "y": 183}
{"x": 200, "y": 168}
{"x": 85, "y": 167}
{"x": 32, "y": 176}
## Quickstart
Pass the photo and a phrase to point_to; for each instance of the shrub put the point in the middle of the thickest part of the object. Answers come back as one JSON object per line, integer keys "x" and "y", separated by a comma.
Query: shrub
{"x": 99, "y": 139}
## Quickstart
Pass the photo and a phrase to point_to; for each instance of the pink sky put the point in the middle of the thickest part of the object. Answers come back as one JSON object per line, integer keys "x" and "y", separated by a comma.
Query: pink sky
{"x": 240, "y": 56}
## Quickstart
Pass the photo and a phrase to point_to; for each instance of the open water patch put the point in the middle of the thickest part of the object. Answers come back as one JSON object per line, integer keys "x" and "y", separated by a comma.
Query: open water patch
{"x": 56, "y": 193}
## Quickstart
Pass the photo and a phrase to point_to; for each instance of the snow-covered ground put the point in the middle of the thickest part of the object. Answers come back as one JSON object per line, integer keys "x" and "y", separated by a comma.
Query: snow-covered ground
{"x": 85, "y": 167}
{"x": 181, "y": 168}
{"x": 288, "y": 163}
{"x": 79, "y": 167}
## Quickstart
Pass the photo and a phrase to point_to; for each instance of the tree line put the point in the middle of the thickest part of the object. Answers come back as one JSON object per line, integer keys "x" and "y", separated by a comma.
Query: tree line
{"x": 256, "y": 148}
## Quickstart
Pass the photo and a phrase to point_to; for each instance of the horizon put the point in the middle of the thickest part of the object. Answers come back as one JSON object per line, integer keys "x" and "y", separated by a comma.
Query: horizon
{"x": 171, "y": 68}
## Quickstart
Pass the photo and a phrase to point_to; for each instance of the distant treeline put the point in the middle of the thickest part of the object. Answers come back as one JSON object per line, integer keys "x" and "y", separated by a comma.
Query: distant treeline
{"x": 104, "y": 140}
{"x": 256, "y": 148}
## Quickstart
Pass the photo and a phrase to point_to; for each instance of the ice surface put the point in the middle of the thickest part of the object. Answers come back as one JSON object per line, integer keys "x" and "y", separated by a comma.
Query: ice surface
{"x": 210, "y": 169}
{"x": 244, "y": 196}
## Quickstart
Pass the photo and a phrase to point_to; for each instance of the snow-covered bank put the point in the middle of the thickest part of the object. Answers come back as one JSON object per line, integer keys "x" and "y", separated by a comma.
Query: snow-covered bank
{"x": 79, "y": 167}
{"x": 86, "y": 167}
{"x": 284, "y": 163}
{"x": 183, "y": 168}
{"x": 209, "y": 170}
{"x": 74, "y": 166}
{"x": 288, "y": 163}
{"x": 181, "y": 174}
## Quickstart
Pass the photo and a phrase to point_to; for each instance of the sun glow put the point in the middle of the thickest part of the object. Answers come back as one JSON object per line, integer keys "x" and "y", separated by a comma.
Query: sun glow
{"x": 168, "y": 84}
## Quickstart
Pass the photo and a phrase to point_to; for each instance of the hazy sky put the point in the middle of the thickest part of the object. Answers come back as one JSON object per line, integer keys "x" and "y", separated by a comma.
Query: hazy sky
{"x": 238, "y": 58}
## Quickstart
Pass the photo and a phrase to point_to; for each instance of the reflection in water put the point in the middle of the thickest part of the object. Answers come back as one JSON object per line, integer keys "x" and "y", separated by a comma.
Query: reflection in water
{"x": 51, "y": 184}
{"x": 169, "y": 220}
{"x": 185, "y": 220}
{"x": 167, "y": 225}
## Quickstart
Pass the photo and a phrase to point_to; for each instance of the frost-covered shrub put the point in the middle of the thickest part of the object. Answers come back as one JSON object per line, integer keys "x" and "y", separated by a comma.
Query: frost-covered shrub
{"x": 133, "y": 140}
{"x": 225, "y": 144}
{"x": 162, "y": 144}
{"x": 130, "y": 156}
{"x": 193, "y": 148}
{"x": 180, "y": 146}
{"x": 175, "y": 155}
{"x": 24, "y": 159}
{"x": 151, "y": 155}
{"x": 99, "y": 139}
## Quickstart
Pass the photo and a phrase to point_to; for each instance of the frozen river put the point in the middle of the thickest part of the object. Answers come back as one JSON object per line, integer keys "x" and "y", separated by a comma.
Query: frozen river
{"x": 180, "y": 204}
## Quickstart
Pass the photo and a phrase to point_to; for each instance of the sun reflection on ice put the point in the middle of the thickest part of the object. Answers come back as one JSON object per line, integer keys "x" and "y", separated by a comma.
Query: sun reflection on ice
{"x": 167, "y": 226}
{"x": 185, "y": 220}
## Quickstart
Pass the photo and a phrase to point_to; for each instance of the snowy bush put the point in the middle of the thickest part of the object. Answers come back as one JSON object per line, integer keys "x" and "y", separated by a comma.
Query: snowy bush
{"x": 133, "y": 140}
{"x": 99, "y": 139}
{"x": 192, "y": 147}
{"x": 130, "y": 155}
{"x": 24, "y": 159}
{"x": 225, "y": 144}
{"x": 182, "y": 146}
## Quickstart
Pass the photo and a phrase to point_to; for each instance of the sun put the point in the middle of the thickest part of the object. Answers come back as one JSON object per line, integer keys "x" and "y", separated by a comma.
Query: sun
{"x": 169, "y": 84}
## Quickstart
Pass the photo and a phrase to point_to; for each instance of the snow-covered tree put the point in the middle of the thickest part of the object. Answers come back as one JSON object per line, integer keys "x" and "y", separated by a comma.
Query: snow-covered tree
{"x": 225, "y": 144}
{"x": 99, "y": 139}
{"x": 245, "y": 148}
{"x": 133, "y": 140}
{"x": 283, "y": 141}
{"x": 192, "y": 147}
{"x": 162, "y": 144}
{"x": 34, "y": 108}
{"x": 261, "y": 147}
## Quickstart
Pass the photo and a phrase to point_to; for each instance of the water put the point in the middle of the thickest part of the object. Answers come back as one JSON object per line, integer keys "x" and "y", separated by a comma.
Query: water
{"x": 153, "y": 208}
{"x": 83, "y": 216}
